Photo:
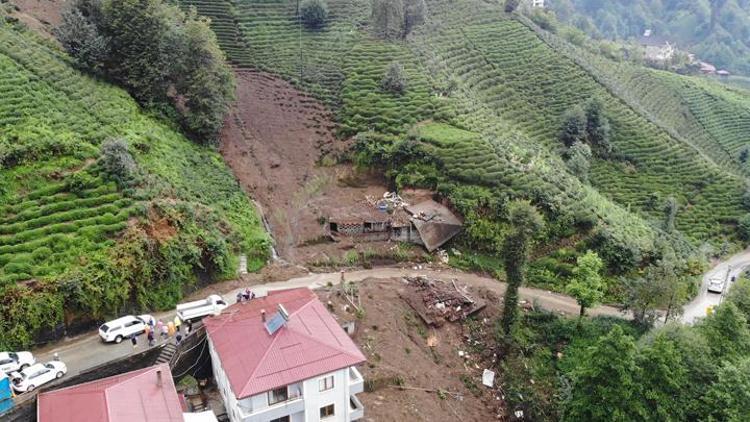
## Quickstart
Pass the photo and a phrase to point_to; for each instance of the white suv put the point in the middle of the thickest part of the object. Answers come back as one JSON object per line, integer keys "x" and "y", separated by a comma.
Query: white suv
{"x": 37, "y": 374}
{"x": 10, "y": 361}
{"x": 124, "y": 327}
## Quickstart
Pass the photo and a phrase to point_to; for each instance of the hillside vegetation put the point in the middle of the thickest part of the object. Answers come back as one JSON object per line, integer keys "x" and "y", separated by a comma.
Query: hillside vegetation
{"x": 76, "y": 241}
{"x": 472, "y": 67}
{"x": 716, "y": 30}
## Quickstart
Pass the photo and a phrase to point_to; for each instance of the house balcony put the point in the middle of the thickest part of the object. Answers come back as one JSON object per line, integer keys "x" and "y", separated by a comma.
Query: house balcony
{"x": 356, "y": 382}
{"x": 356, "y": 409}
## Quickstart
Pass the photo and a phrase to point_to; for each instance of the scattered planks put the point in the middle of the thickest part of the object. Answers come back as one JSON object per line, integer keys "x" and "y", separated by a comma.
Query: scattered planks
{"x": 437, "y": 301}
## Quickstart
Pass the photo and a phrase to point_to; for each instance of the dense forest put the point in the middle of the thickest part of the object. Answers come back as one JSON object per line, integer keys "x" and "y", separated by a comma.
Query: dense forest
{"x": 718, "y": 31}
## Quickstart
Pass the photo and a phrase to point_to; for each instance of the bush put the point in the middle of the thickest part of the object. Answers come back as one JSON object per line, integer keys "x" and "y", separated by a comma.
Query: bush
{"x": 394, "y": 80}
{"x": 117, "y": 162}
{"x": 388, "y": 18}
{"x": 313, "y": 13}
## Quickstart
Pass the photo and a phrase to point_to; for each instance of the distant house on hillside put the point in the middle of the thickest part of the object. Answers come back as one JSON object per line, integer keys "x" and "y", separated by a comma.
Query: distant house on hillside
{"x": 723, "y": 73}
{"x": 537, "y": 3}
{"x": 707, "y": 68}
{"x": 284, "y": 357}
{"x": 658, "y": 49}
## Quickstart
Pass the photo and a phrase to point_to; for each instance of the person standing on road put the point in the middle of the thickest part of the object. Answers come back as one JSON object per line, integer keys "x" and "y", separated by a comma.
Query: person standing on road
{"x": 134, "y": 340}
{"x": 189, "y": 327}
{"x": 177, "y": 323}
{"x": 150, "y": 337}
{"x": 170, "y": 329}
{"x": 178, "y": 338}
{"x": 164, "y": 330}
{"x": 147, "y": 330}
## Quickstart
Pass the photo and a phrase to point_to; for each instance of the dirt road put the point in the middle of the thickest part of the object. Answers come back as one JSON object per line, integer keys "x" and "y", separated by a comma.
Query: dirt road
{"x": 725, "y": 270}
{"x": 87, "y": 351}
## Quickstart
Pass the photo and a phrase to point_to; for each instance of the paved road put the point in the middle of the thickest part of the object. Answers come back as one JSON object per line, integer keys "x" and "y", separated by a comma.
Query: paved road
{"x": 87, "y": 351}
{"x": 732, "y": 267}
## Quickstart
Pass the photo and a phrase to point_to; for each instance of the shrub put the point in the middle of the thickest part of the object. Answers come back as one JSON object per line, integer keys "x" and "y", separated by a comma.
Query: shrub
{"x": 394, "y": 80}
{"x": 313, "y": 13}
{"x": 579, "y": 155}
{"x": 117, "y": 162}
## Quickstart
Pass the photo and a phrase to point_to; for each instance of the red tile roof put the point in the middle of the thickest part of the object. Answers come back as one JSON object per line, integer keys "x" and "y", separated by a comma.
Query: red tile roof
{"x": 129, "y": 397}
{"x": 311, "y": 343}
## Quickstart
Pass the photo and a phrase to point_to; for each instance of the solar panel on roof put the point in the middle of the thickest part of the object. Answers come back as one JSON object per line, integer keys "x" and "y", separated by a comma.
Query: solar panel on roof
{"x": 277, "y": 321}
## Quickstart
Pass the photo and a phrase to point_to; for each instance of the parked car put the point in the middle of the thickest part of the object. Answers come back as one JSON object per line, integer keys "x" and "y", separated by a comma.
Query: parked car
{"x": 124, "y": 327}
{"x": 37, "y": 375}
{"x": 716, "y": 285}
{"x": 198, "y": 309}
{"x": 15, "y": 361}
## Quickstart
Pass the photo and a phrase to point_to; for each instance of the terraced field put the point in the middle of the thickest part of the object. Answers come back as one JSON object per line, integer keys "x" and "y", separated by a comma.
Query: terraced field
{"x": 59, "y": 212}
{"x": 512, "y": 87}
{"x": 531, "y": 85}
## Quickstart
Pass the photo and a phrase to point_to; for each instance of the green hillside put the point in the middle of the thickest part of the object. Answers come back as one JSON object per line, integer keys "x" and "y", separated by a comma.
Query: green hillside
{"x": 70, "y": 237}
{"x": 476, "y": 68}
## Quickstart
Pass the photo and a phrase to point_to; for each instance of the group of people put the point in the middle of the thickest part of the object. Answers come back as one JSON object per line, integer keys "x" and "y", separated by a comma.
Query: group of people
{"x": 166, "y": 331}
{"x": 246, "y": 295}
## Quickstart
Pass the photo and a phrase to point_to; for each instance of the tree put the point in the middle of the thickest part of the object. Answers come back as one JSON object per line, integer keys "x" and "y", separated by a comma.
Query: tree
{"x": 117, "y": 162}
{"x": 574, "y": 127}
{"x": 728, "y": 399}
{"x": 578, "y": 163}
{"x": 511, "y": 5}
{"x": 726, "y": 332}
{"x": 394, "y": 80}
{"x": 162, "y": 56}
{"x": 414, "y": 14}
{"x": 664, "y": 376}
{"x": 670, "y": 214}
{"x": 598, "y": 129}
{"x": 743, "y": 227}
{"x": 604, "y": 382}
{"x": 739, "y": 295}
{"x": 664, "y": 274}
{"x": 82, "y": 40}
{"x": 525, "y": 222}
{"x": 207, "y": 84}
{"x": 314, "y": 13}
{"x": 388, "y": 18}
{"x": 142, "y": 46}
{"x": 587, "y": 286}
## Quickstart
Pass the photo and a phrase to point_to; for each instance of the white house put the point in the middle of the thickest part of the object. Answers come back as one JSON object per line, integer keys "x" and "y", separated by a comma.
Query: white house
{"x": 284, "y": 358}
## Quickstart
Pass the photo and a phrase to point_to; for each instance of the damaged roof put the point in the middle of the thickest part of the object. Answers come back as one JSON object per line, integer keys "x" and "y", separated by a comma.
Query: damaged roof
{"x": 435, "y": 223}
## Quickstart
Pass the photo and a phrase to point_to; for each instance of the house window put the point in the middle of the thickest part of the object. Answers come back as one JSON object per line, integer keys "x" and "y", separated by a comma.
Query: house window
{"x": 281, "y": 419}
{"x": 278, "y": 395}
{"x": 326, "y": 411}
{"x": 326, "y": 383}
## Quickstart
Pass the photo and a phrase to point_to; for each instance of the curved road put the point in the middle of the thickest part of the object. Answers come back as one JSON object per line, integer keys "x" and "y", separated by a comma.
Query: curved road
{"x": 87, "y": 351}
{"x": 725, "y": 270}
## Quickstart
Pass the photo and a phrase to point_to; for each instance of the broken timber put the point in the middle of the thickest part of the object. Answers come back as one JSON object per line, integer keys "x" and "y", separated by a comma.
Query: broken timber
{"x": 436, "y": 301}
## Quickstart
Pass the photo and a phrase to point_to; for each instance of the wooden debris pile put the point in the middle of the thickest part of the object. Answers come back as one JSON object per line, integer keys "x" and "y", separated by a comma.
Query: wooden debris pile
{"x": 437, "y": 301}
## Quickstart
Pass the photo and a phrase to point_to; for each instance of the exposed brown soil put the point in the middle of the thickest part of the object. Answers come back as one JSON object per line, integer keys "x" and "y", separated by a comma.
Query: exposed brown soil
{"x": 280, "y": 144}
{"x": 404, "y": 372}
{"x": 39, "y": 15}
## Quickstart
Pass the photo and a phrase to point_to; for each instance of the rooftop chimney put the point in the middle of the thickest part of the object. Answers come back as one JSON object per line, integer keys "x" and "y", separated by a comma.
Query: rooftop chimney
{"x": 263, "y": 315}
{"x": 158, "y": 377}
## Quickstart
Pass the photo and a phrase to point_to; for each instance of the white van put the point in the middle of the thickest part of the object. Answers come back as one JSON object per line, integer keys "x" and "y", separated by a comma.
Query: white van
{"x": 122, "y": 328}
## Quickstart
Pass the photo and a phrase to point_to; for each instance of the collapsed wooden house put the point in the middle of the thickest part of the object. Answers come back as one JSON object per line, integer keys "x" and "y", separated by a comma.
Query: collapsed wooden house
{"x": 427, "y": 223}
